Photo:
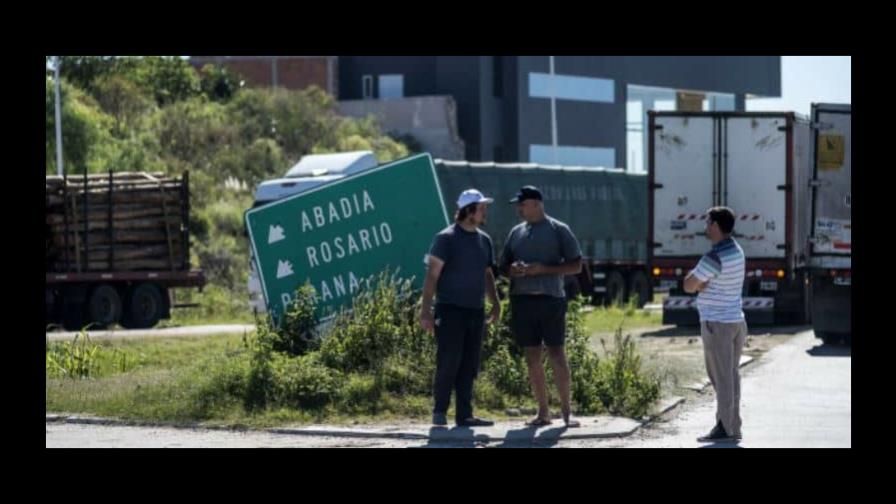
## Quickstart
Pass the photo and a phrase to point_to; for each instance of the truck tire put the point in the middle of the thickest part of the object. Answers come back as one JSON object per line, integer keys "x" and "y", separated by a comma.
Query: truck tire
{"x": 637, "y": 285}
{"x": 144, "y": 307}
{"x": 615, "y": 288}
{"x": 104, "y": 306}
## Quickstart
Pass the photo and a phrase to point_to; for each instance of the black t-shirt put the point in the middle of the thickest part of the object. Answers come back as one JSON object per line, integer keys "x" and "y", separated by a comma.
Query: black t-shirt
{"x": 466, "y": 255}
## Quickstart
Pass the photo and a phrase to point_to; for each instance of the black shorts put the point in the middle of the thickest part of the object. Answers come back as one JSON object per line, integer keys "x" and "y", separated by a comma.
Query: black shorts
{"x": 538, "y": 319}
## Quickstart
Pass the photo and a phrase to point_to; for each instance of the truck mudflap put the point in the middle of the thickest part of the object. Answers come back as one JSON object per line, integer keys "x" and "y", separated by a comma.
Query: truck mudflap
{"x": 682, "y": 310}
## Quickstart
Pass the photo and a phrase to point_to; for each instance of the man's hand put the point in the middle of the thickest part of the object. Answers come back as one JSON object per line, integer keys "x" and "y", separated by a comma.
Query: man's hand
{"x": 518, "y": 269}
{"x": 535, "y": 269}
{"x": 495, "y": 314}
{"x": 426, "y": 320}
{"x": 692, "y": 284}
{"x": 521, "y": 269}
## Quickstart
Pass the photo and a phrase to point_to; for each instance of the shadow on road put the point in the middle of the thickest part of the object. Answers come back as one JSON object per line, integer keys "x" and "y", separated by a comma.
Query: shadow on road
{"x": 830, "y": 351}
{"x": 464, "y": 437}
{"x": 722, "y": 444}
{"x": 526, "y": 438}
{"x": 455, "y": 437}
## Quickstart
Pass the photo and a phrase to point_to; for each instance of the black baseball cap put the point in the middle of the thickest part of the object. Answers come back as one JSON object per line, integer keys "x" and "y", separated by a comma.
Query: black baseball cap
{"x": 527, "y": 192}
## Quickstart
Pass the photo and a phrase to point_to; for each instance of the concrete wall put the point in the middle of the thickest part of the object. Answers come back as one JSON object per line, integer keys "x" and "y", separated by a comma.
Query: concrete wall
{"x": 431, "y": 120}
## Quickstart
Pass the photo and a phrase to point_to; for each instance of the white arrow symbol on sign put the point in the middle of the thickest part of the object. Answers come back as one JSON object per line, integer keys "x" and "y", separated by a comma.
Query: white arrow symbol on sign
{"x": 284, "y": 269}
{"x": 275, "y": 234}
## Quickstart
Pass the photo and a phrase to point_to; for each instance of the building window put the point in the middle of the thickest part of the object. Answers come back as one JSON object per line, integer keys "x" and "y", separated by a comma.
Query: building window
{"x": 569, "y": 155}
{"x": 497, "y": 76}
{"x": 391, "y": 86}
{"x": 498, "y": 155}
{"x": 719, "y": 101}
{"x": 571, "y": 87}
{"x": 367, "y": 87}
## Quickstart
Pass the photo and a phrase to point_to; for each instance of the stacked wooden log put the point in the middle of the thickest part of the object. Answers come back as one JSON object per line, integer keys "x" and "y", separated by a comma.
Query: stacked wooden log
{"x": 134, "y": 221}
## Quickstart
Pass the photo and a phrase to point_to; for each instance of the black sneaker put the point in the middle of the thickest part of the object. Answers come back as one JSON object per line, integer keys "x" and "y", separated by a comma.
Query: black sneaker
{"x": 475, "y": 422}
{"x": 716, "y": 434}
{"x": 439, "y": 419}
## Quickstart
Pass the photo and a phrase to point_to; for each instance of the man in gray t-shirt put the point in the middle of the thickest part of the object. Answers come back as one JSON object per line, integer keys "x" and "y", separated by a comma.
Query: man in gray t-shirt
{"x": 537, "y": 255}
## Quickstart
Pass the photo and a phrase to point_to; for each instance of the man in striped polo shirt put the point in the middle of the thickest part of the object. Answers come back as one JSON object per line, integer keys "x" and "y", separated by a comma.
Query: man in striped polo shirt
{"x": 719, "y": 279}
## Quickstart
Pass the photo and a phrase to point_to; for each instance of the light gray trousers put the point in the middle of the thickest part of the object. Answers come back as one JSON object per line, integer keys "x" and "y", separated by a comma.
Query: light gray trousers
{"x": 722, "y": 346}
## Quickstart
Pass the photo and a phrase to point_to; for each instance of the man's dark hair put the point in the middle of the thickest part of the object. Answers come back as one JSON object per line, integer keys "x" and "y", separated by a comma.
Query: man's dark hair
{"x": 464, "y": 212}
{"x": 724, "y": 217}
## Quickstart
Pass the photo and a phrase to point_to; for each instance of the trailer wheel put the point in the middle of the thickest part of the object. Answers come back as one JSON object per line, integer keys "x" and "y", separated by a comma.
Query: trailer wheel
{"x": 615, "y": 288}
{"x": 104, "y": 306}
{"x": 637, "y": 285}
{"x": 145, "y": 307}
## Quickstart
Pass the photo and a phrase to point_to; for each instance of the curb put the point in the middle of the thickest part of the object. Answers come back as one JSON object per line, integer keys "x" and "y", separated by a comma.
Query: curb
{"x": 626, "y": 428}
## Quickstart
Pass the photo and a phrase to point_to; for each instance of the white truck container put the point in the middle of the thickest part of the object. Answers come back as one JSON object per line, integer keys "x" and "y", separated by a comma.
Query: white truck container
{"x": 759, "y": 165}
{"x": 830, "y": 256}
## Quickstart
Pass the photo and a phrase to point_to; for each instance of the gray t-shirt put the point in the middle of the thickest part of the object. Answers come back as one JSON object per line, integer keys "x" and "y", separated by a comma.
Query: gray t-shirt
{"x": 466, "y": 255}
{"x": 549, "y": 242}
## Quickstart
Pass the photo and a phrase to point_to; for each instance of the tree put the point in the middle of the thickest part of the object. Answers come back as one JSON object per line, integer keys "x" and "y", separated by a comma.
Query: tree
{"x": 166, "y": 78}
{"x": 122, "y": 99}
{"x": 194, "y": 131}
{"x": 169, "y": 78}
{"x": 218, "y": 83}
{"x": 84, "y": 127}
{"x": 83, "y": 71}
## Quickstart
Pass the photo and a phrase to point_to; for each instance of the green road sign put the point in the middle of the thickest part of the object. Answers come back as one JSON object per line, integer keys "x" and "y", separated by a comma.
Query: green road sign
{"x": 338, "y": 235}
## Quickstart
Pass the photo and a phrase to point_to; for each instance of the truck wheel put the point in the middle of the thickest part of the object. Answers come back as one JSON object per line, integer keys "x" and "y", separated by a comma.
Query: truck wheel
{"x": 145, "y": 307}
{"x": 104, "y": 306}
{"x": 637, "y": 285}
{"x": 615, "y": 288}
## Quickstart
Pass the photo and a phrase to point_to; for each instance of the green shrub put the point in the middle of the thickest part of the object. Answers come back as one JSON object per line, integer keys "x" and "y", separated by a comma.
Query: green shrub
{"x": 303, "y": 382}
{"x": 297, "y": 333}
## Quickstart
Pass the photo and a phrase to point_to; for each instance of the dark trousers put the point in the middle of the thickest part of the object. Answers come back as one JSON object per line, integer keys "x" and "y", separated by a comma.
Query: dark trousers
{"x": 459, "y": 333}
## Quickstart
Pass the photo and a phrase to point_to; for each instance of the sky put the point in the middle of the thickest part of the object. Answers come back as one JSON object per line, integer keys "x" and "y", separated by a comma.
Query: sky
{"x": 808, "y": 79}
